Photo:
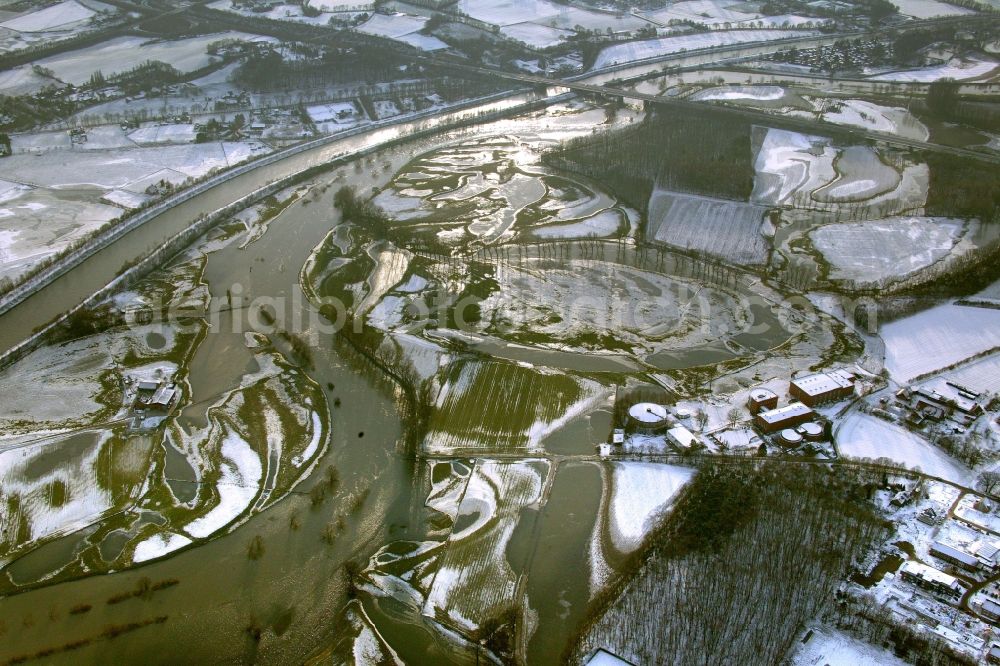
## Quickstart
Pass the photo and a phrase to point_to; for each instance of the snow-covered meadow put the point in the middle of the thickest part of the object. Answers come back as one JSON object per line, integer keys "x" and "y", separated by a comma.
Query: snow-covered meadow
{"x": 952, "y": 332}
{"x": 864, "y": 436}
{"x": 642, "y": 50}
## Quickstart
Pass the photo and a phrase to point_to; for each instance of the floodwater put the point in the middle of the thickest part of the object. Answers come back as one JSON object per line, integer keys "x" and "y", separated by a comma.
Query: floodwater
{"x": 216, "y": 604}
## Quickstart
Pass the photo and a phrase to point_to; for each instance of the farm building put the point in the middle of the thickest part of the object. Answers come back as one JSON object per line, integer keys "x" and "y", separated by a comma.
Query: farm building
{"x": 788, "y": 416}
{"x": 930, "y": 578}
{"x": 681, "y": 437}
{"x": 762, "y": 400}
{"x": 954, "y": 556}
{"x": 822, "y": 387}
{"x": 648, "y": 417}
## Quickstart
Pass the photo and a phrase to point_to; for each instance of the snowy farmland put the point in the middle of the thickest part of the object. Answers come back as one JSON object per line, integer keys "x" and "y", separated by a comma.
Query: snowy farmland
{"x": 953, "y": 332}
{"x": 546, "y": 13}
{"x": 403, "y": 28}
{"x": 925, "y": 9}
{"x": 737, "y": 93}
{"x": 727, "y": 229}
{"x": 123, "y": 53}
{"x": 959, "y": 70}
{"x": 48, "y": 202}
{"x": 56, "y": 17}
{"x": 875, "y": 117}
{"x": 880, "y": 250}
{"x": 59, "y": 21}
{"x": 832, "y": 647}
{"x": 809, "y": 172}
{"x": 982, "y": 375}
{"x": 633, "y": 51}
{"x": 499, "y": 406}
{"x": 474, "y": 580}
{"x": 641, "y": 492}
{"x": 865, "y": 436}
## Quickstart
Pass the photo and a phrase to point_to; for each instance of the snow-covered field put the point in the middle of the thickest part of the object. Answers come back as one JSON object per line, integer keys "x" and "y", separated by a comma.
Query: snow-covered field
{"x": 236, "y": 488}
{"x": 865, "y": 436}
{"x": 535, "y": 35}
{"x": 727, "y": 229}
{"x": 736, "y": 93}
{"x": 632, "y": 51}
{"x": 605, "y": 223}
{"x": 475, "y": 580}
{"x": 832, "y": 647}
{"x": 402, "y": 27}
{"x": 38, "y": 223}
{"x": 123, "y": 53}
{"x": 547, "y": 13}
{"x": 49, "y": 201}
{"x": 925, "y": 9}
{"x": 285, "y": 12}
{"x": 641, "y": 492}
{"x": 951, "y": 332}
{"x": 960, "y": 70}
{"x": 870, "y": 116}
{"x": 163, "y": 133}
{"x": 982, "y": 375}
{"x": 810, "y": 172}
{"x": 789, "y": 162}
{"x": 126, "y": 168}
{"x": 59, "y": 21}
{"x": 56, "y": 17}
{"x": 883, "y": 249}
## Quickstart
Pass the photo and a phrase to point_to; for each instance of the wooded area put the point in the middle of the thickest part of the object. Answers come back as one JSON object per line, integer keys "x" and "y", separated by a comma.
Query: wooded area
{"x": 706, "y": 153}
{"x": 749, "y": 556}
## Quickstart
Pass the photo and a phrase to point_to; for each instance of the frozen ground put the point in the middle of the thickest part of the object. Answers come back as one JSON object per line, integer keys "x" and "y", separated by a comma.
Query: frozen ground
{"x": 547, "y": 13}
{"x": 22, "y": 80}
{"x": 925, "y": 9}
{"x": 640, "y": 494}
{"x": 123, "y": 53}
{"x": 864, "y": 436}
{"x": 982, "y": 375}
{"x": 952, "y": 332}
{"x": 879, "y": 250}
{"x": 960, "y": 70}
{"x": 809, "y": 172}
{"x": 832, "y": 647}
{"x": 404, "y": 28}
{"x": 39, "y": 223}
{"x": 790, "y": 162}
{"x": 126, "y": 168}
{"x": 632, "y": 51}
{"x": 56, "y": 17}
{"x": 537, "y": 36}
{"x": 48, "y": 201}
{"x": 285, "y": 12}
{"x": 730, "y": 230}
{"x": 475, "y": 580}
{"x": 156, "y": 133}
{"x": 736, "y": 93}
{"x": 876, "y": 117}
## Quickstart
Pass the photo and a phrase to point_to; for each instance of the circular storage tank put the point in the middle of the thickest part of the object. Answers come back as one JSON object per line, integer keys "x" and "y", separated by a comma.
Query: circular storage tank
{"x": 648, "y": 416}
{"x": 812, "y": 431}
{"x": 683, "y": 414}
{"x": 790, "y": 438}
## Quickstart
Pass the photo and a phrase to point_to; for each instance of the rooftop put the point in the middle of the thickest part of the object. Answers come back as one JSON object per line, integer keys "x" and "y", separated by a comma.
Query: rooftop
{"x": 929, "y": 574}
{"x": 648, "y": 412}
{"x": 787, "y": 412}
{"x": 825, "y": 382}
